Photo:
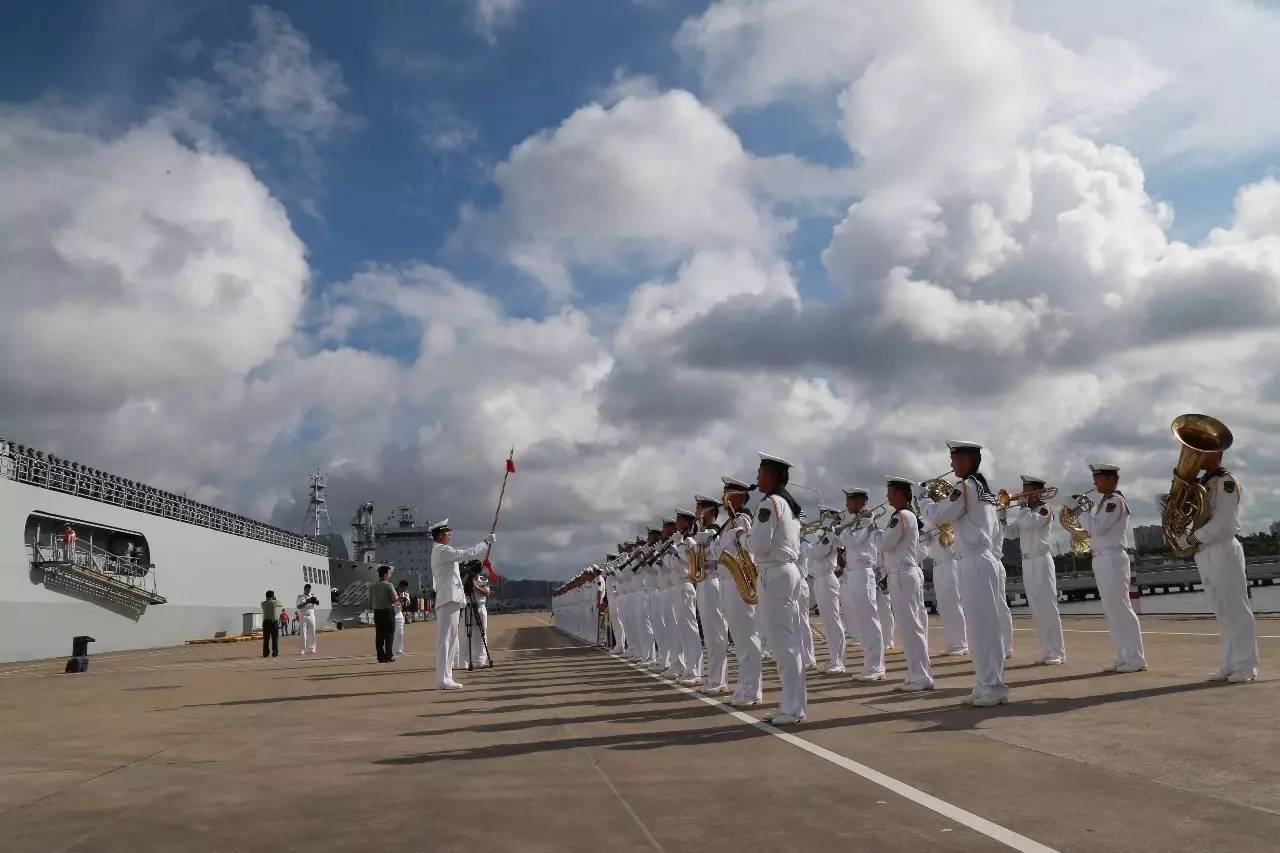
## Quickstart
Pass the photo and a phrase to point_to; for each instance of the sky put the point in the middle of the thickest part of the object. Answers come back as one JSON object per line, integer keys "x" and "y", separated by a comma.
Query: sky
{"x": 638, "y": 241}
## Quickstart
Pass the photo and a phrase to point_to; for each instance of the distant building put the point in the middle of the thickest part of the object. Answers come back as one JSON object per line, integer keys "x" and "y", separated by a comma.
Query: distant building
{"x": 399, "y": 541}
{"x": 1148, "y": 537}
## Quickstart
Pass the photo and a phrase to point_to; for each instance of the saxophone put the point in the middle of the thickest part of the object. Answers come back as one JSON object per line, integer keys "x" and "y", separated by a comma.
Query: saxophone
{"x": 743, "y": 571}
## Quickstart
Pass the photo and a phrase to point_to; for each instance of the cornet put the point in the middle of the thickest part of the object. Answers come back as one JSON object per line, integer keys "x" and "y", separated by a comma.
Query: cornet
{"x": 1005, "y": 500}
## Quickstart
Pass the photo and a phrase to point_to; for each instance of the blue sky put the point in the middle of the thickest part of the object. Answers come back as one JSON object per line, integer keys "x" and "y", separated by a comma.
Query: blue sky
{"x": 870, "y": 224}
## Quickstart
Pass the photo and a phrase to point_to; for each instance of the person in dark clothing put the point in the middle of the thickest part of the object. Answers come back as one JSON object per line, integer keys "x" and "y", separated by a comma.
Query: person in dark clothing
{"x": 271, "y": 625}
{"x": 382, "y": 601}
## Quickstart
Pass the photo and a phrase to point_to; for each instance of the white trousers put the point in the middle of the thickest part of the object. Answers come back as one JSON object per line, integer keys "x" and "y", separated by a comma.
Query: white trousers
{"x": 642, "y": 652}
{"x": 982, "y": 591}
{"x": 1041, "y": 585}
{"x": 397, "y": 639}
{"x": 309, "y": 633}
{"x": 617, "y": 617}
{"x": 685, "y": 608}
{"x": 446, "y": 641}
{"x": 1222, "y": 573}
{"x": 846, "y": 607}
{"x": 885, "y": 611}
{"x": 946, "y": 588}
{"x": 1111, "y": 573}
{"x": 1006, "y": 615}
{"x": 744, "y": 624}
{"x": 906, "y": 591}
{"x": 827, "y": 590}
{"x": 780, "y": 598}
{"x": 715, "y": 628}
{"x": 661, "y": 625}
{"x": 806, "y": 627}
{"x": 866, "y": 618}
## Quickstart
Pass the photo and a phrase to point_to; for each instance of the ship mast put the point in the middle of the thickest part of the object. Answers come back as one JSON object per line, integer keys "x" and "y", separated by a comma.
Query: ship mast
{"x": 317, "y": 508}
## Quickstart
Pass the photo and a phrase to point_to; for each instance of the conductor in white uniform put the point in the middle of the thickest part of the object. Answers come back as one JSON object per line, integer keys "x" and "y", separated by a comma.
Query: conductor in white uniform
{"x": 449, "y": 597}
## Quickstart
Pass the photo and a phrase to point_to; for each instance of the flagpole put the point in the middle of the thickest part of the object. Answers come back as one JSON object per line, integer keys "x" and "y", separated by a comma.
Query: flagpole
{"x": 497, "y": 512}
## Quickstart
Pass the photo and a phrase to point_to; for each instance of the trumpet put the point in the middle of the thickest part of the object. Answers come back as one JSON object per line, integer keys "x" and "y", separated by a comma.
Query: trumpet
{"x": 1004, "y": 500}
{"x": 873, "y": 515}
{"x": 1069, "y": 518}
{"x": 938, "y": 488}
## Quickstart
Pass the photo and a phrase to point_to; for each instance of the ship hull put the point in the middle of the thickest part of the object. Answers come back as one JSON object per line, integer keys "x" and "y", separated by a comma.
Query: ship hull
{"x": 209, "y": 580}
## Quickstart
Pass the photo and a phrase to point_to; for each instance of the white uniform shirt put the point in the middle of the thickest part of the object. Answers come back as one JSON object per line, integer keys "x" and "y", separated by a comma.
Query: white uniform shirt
{"x": 973, "y": 512}
{"x": 859, "y": 545}
{"x": 900, "y": 542}
{"x": 707, "y": 537}
{"x": 444, "y": 570}
{"x": 1224, "y": 509}
{"x": 1031, "y": 527}
{"x": 738, "y": 526}
{"x": 303, "y": 607}
{"x": 822, "y": 555}
{"x": 1108, "y": 524}
{"x": 775, "y": 534}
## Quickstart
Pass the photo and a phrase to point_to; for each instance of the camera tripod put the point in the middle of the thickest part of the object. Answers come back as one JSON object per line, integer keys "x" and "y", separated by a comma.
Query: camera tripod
{"x": 471, "y": 620}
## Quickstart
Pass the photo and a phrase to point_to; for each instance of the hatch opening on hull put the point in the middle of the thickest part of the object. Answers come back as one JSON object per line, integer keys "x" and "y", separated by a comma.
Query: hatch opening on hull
{"x": 106, "y": 566}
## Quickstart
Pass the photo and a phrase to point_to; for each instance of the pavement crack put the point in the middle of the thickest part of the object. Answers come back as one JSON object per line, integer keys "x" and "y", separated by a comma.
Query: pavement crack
{"x": 621, "y": 799}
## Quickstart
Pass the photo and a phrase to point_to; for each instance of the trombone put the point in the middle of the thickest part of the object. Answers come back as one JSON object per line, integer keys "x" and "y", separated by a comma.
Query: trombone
{"x": 873, "y": 515}
{"x": 1004, "y": 500}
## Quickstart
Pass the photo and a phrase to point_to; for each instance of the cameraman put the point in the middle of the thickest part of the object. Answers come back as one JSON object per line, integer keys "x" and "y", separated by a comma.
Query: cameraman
{"x": 475, "y": 585}
{"x": 305, "y": 617}
{"x": 449, "y": 597}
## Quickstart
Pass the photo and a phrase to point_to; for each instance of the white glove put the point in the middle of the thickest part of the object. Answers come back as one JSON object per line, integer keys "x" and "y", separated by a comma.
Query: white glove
{"x": 490, "y": 539}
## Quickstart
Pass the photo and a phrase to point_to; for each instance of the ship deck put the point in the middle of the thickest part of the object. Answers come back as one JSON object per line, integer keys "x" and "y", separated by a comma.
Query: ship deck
{"x": 562, "y": 747}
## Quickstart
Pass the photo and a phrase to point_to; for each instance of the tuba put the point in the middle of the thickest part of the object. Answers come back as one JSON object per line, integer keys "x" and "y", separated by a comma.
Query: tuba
{"x": 1187, "y": 508}
{"x": 1069, "y": 518}
{"x": 742, "y": 569}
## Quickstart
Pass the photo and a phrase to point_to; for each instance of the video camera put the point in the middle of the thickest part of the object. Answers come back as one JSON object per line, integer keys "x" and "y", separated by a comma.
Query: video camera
{"x": 470, "y": 570}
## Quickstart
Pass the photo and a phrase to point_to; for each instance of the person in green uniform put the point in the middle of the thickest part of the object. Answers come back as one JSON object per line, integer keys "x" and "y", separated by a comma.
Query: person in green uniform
{"x": 271, "y": 625}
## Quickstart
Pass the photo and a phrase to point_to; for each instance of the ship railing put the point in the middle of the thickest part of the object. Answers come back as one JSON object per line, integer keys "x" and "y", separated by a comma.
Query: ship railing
{"x": 126, "y": 569}
{"x": 34, "y": 467}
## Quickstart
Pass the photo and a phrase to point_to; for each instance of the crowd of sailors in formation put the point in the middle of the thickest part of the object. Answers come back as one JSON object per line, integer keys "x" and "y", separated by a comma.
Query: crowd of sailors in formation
{"x": 718, "y": 572}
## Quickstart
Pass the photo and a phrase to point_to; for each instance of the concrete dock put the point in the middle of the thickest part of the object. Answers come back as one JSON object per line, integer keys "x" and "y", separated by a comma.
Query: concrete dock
{"x": 563, "y": 747}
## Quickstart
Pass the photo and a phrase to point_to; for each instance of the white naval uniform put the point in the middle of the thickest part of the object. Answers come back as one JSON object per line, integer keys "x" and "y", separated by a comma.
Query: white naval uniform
{"x": 684, "y": 606}
{"x": 715, "y": 628}
{"x": 656, "y": 581}
{"x": 806, "y": 605}
{"x": 397, "y": 637}
{"x": 616, "y": 619}
{"x": 744, "y": 619}
{"x": 900, "y": 549}
{"x": 306, "y": 616}
{"x": 1108, "y": 524}
{"x": 1220, "y": 559}
{"x": 883, "y": 606}
{"x": 449, "y": 603}
{"x": 972, "y": 510}
{"x": 946, "y": 591}
{"x": 1031, "y": 526}
{"x": 860, "y": 556}
{"x": 775, "y": 547}
{"x": 826, "y": 588}
{"x": 643, "y": 652}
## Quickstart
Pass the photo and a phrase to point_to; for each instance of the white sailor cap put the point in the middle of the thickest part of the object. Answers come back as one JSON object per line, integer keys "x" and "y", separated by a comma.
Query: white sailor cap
{"x": 777, "y": 460}
{"x": 439, "y": 526}
{"x": 666, "y": 519}
{"x": 1104, "y": 468}
{"x": 687, "y": 513}
{"x": 963, "y": 445}
{"x": 823, "y": 509}
{"x": 899, "y": 481}
{"x": 853, "y": 493}
{"x": 649, "y": 528}
{"x": 703, "y": 500}
{"x": 1033, "y": 478}
{"x": 733, "y": 484}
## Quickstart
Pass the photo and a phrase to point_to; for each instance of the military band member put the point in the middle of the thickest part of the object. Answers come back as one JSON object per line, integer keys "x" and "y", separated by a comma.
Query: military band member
{"x": 656, "y": 580}
{"x": 616, "y": 617}
{"x": 1108, "y": 525}
{"x": 684, "y": 603}
{"x": 710, "y": 592}
{"x": 1030, "y": 524}
{"x": 900, "y": 546}
{"x": 646, "y": 649}
{"x": 859, "y": 554}
{"x": 1220, "y": 559}
{"x": 946, "y": 590}
{"x": 806, "y": 608}
{"x": 826, "y": 589}
{"x": 775, "y": 547}
{"x": 743, "y": 618}
{"x": 883, "y": 606}
{"x": 971, "y": 507}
